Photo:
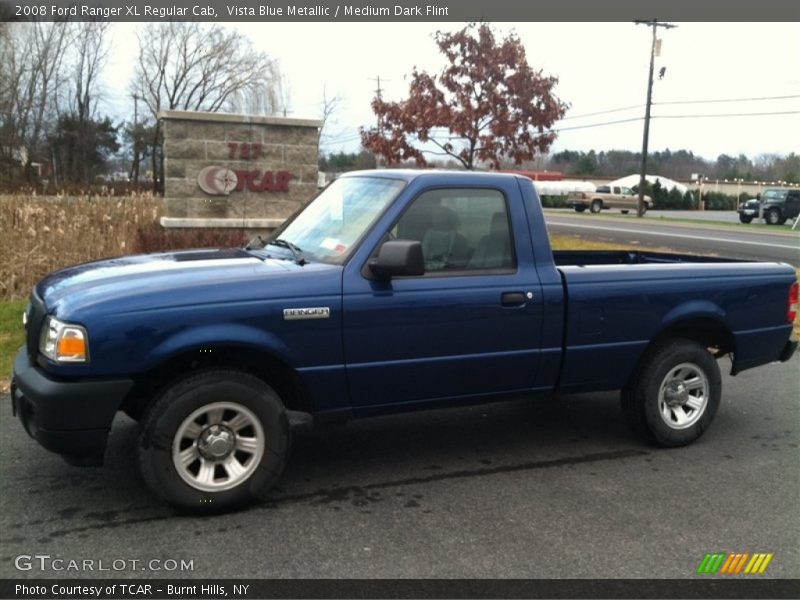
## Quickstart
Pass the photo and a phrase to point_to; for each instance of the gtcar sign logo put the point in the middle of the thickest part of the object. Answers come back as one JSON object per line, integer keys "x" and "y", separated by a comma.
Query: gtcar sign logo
{"x": 221, "y": 181}
{"x": 217, "y": 181}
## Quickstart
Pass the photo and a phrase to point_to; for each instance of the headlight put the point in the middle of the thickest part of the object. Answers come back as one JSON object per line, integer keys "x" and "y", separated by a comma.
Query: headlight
{"x": 64, "y": 342}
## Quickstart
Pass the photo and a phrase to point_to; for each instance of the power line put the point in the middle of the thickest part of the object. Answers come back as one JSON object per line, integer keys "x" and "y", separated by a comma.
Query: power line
{"x": 719, "y": 115}
{"x": 760, "y": 98}
{"x": 752, "y": 114}
{"x": 559, "y": 129}
{"x": 602, "y": 112}
{"x": 719, "y": 100}
{"x": 351, "y": 137}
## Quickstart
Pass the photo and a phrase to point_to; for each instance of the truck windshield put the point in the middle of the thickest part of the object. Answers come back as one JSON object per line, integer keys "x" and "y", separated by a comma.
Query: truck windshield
{"x": 329, "y": 227}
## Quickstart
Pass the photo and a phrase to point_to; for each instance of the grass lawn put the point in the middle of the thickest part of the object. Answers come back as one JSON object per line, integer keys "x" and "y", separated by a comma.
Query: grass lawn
{"x": 763, "y": 227}
{"x": 12, "y": 336}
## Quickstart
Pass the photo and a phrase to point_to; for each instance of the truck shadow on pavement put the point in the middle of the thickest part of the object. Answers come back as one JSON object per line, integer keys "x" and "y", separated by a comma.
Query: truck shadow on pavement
{"x": 347, "y": 467}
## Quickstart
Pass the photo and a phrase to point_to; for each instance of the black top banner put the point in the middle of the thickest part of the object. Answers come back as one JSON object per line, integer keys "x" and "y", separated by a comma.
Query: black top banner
{"x": 400, "y": 10}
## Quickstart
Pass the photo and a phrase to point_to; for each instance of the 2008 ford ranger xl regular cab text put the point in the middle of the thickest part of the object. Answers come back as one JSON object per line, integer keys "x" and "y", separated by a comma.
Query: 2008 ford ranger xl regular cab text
{"x": 390, "y": 291}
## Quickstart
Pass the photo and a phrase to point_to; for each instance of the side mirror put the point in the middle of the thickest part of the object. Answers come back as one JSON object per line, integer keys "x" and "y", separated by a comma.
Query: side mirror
{"x": 397, "y": 258}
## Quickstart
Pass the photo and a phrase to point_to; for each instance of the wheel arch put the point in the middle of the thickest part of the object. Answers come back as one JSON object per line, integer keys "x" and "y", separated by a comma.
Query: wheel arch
{"x": 708, "y": 329}
{"x": 267, "y": 366}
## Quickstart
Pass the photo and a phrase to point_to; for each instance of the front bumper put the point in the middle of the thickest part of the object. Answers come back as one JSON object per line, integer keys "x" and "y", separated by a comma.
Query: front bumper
{"x": 72, "y": 418}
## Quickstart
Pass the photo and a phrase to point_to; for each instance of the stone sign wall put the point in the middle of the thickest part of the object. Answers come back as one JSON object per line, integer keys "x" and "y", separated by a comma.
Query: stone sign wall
{"x": 224, "y": 170}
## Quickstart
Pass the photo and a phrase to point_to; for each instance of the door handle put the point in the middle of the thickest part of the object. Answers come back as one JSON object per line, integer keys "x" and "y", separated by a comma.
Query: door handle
{"x": 513, "y": 298}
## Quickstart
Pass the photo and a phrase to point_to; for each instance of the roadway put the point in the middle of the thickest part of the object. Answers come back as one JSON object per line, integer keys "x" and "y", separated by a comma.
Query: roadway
{"x": 517, "y": 489}
{"x": 737, "y": 241}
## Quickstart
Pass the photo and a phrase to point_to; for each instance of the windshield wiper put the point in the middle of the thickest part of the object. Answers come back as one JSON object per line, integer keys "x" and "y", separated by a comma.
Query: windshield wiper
{"x": 297, "y": 253}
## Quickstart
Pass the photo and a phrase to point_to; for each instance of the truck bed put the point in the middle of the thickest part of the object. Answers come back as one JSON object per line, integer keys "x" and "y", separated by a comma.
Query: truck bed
{"x": 580, "y": 258}
{"x": 620, "y": 300}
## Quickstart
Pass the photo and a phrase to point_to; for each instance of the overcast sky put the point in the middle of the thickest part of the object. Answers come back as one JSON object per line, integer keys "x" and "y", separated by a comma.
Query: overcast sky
{"x": 601, "y": 67}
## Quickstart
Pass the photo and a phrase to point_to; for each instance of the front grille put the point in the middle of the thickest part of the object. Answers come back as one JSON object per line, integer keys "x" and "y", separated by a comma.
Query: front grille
{"x": 36, "y": 315}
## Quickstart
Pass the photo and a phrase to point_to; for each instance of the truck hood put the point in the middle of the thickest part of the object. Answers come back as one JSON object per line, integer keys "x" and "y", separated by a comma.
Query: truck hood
{"x": 165, "y": 279}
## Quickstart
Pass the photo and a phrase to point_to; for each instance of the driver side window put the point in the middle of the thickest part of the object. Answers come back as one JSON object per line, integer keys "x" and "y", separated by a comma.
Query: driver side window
{"x": 460, "y": 230}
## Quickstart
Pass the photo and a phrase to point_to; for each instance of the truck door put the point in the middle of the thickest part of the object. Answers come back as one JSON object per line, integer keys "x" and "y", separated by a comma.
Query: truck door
{"x": 627, "y": 200}
{"x": 470, "y": 325}
{"x": 792, "y": 207}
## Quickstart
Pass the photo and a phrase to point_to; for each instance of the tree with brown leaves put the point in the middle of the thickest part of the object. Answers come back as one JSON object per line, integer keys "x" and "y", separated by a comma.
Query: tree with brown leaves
{"x": 487, "y": 105}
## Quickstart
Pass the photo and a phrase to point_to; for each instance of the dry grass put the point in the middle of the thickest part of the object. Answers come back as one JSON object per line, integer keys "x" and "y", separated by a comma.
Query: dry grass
{"x": 41, "y": 234}
{"x": 576, "y": 242}
{"x": 44, "y": 233}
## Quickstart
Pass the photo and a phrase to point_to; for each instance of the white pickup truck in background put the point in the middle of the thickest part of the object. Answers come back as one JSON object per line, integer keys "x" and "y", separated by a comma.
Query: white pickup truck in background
{"x": 607, "y": 197}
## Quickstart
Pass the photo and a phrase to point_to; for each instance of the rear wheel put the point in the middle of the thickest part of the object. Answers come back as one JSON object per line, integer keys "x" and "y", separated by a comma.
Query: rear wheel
{"x": 597, "y": 206}
{"x": 214, "y": 441}
{"x": 580, "y": 209}
{"x": 745, "y": 218}
{"x": 674, "y": 394}
{"x": 774, "y": 217}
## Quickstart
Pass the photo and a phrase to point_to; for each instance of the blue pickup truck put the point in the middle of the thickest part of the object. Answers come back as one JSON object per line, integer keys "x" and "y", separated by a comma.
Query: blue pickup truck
{"x": 390, "y": 291}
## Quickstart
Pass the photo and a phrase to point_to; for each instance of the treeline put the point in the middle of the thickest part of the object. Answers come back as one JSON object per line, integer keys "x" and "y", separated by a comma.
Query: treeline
{"x": 339, "y": 162}
{"x": 52, "y": 123}
{"x": 680, "y": 164}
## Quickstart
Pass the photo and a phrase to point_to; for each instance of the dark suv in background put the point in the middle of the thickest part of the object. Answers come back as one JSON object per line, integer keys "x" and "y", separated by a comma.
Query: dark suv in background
{"x": 748, "y": 210}
{"x": 779, "y": 205}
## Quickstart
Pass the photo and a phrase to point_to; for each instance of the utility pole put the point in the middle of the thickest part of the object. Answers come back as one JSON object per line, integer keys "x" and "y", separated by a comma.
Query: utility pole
{"x": 134, "y": 174}
{"x": 655, "y": 24}
{"x": 378, "y": 93}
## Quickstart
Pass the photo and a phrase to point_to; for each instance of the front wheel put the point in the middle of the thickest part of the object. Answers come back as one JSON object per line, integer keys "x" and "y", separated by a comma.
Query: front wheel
{"x": 745, "y": 218}
{"x": 674, "y": 393}
{"x": 597, "y": 206}
{"x": 214, "y": 441}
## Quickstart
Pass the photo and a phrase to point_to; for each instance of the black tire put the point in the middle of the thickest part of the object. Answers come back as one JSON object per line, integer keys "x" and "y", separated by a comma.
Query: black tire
{"x": 597, "y": 206}
{"x": 644, "y": 208}
{"x": 580, "y": 209}
{"x": 773, "y": 217}
{"x": 624, "y": 211}
{"x": 173, "y": 408}
{"x": 745, "y": 218}
{"x": 641, "y": 398}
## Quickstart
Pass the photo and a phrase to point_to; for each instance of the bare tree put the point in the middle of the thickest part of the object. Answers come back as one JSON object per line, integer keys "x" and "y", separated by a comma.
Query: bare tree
{"x": 329, "y": 105}
{"x": 91, "y": 52}
{"x": 261, "y": 98}
{"x": 32, "y": 58}
{"x": 189, "y": 66}
{"x": 284, "y": 95}
{"x": 79, "y": 134}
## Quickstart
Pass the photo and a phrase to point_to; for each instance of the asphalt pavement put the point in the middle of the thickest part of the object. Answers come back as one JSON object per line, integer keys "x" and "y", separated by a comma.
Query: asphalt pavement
{"x": 759, "y": 243}
{"x": 546, "y": 488}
